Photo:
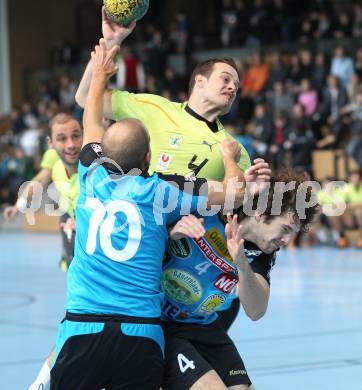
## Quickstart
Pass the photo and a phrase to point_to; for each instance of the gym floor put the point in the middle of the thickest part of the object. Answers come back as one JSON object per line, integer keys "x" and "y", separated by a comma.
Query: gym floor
{"x": 310, "y": 338}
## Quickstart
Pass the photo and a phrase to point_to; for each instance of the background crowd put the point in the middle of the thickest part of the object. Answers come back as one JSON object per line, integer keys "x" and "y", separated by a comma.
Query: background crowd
{"x": 294, "y": 98}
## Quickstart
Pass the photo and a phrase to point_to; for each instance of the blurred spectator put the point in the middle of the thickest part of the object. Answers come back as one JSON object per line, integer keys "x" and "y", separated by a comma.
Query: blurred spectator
{"x": 281, "y": 100}
{"x": 156, "y": 52}
{"x": 42, "y": 117}
{"x": 63, "y": 53}
{"x": 130, "y": 75}
{"x": 320, "y": 71}
{"x": 152, "y": 86}
{"x": 295, "y": 69}
{"x": 306, "y": 64}
{"x": 357, "y": 23}
{"x": 283, "y": 21}
{"x": 256, "y": 76}
{"x": 263, "y": 130}
{"x": 45, "y": 94}
{"x": 182, "y": 33}
{"x": 353, "y": 87}
{"x": 354, "y": 147}
{"x": 334, "y": 98}
{"x": 67, "y": 89}
{"x": 343, "y": 28}
{"x": 277, "y": 151}
{"x": 173, "y": 83}
{"x": 15, "y": 169}
{"x": 17, "y": 122}
{"x": 257, "y": 22}
{"x": 308, "y": 98}
{"x": 300, "y": 140}
{"x": 278, "y": 71}
{"x": 324, "y": 26}
{"x": 358, "y": 62}
{"x": 307, "y": 31}
{"x": 28, "y": 115}
{"x": 342, "y": 66}
{"x": 229, "y": 20}
{"x": 29, "y": 141}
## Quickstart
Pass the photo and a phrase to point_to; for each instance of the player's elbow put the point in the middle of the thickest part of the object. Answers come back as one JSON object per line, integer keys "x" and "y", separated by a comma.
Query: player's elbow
{"x": 256, "y": 314}
{"x": 80, "y": 99}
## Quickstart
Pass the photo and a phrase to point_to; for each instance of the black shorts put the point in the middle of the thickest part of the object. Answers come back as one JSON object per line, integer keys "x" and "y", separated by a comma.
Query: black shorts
{"x": 227, "y": 317}
{"x": 96, "y": 352}
{"x": 192, "y": 350}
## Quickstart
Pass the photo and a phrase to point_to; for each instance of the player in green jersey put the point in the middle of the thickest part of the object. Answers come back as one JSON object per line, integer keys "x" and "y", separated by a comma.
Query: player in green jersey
{"x": 184, "y": 136}
{"x": 59, "y": 166}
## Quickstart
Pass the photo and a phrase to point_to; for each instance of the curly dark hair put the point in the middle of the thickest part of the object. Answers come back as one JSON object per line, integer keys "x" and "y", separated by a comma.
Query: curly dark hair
{"x": 288, "y": 198}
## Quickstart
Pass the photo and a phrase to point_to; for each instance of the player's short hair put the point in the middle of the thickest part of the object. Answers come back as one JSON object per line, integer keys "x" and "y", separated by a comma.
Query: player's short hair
{"x": 130, "y": 152}
{"x": 288, "y": 199}
{"x": 205, "y": 68}
{"x": 60, "y": 119}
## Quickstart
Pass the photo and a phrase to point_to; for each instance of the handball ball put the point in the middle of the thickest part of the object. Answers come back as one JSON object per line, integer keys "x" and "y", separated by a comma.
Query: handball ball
{"x": 123, "y": 12}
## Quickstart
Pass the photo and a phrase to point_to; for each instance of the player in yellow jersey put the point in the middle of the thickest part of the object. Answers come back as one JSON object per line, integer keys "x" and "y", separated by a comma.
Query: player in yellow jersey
{"x": 184, "y": 136}
{"x": 59, "y": 165}
{"x": 351, "y": 194}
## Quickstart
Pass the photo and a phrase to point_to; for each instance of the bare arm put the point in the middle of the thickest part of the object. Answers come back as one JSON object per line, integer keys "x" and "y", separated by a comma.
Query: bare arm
{"x": 233, "y": 185}
{"x": 254, "y": 290}
{"x": 43, "y": 177}
{"x": 104, "y": 67}
{"x": 113, "y": 35}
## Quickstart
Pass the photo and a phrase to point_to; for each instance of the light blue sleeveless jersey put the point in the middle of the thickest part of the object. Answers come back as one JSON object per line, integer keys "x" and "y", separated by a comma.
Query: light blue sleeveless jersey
{"x": 121, "y": 236}
{"x": 200, "y": 277}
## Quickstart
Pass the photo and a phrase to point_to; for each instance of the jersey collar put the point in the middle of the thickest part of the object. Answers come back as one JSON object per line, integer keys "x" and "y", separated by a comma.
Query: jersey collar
{"x": 213, "y": 126}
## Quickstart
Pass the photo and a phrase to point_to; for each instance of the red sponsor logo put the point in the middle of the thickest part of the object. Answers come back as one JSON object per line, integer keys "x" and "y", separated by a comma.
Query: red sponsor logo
{"x": 210, "y": 254}
{"x": 226, "y": 283}
{"x": 165, "y": 158}
{"x": 164, "y": 161}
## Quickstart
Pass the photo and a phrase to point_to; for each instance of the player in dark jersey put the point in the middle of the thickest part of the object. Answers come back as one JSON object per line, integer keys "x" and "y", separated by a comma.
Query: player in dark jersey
{"x": 206, "y": 262}
{"x": 112, "y": 326}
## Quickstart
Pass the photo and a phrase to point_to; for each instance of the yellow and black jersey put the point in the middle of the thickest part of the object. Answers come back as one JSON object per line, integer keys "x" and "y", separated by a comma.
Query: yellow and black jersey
{"x": 181, "y": 141}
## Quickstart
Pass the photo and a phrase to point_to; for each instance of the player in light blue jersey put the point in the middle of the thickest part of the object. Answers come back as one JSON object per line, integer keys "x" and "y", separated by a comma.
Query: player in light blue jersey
{"x": 207, "y": 261}
{"x": 112, "y": 330}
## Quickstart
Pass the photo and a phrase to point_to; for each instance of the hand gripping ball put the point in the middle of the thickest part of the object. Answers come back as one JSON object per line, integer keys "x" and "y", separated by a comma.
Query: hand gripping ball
{"x": 123, "y": 12}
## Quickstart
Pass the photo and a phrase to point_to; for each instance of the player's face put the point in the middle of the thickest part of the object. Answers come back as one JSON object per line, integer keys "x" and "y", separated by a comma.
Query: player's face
{"x": 276, "y": 233}
{"x": 222, "y": 86}
{"x": 67, "y": 140}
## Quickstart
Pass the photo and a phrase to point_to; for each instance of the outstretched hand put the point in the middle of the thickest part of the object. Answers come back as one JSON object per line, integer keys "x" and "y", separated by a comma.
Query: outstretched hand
{"x": 259, "y": 173}
{"x": 113, "y": 31}
{"x": 188, "y": 226}
{"x": 10, "y": 212}
{"x": 68, "y": 228}
{"x": 104, "y": 59}
{"x": 235, "y": 241}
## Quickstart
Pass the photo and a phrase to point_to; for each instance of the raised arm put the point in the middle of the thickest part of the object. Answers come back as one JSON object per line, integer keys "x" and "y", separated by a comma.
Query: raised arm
{"x": 103, "y": 68}
{"x": 114, "y": 35}
{"x": 253, "y": 289}
{"x": 232, "y": 190}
